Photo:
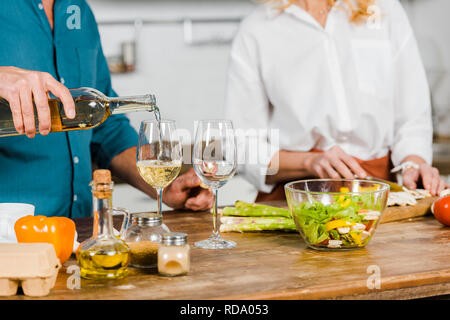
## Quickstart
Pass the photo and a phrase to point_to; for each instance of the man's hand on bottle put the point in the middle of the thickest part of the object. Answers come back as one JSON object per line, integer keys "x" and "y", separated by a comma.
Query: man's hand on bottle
{"x": 185, "y": 191}
{"x": 21, "y": 87}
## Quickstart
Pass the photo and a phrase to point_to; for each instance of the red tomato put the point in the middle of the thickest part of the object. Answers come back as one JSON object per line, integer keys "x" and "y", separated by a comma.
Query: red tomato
{"x": 441, "y": 210}
{"x": 369, "y": 225}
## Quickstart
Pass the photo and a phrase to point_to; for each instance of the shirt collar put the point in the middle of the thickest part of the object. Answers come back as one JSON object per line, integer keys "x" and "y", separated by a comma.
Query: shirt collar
{"x": 273, "y": 10}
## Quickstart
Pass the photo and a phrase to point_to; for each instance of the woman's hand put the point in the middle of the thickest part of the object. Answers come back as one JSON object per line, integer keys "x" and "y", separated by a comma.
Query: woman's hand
{"x": 20, "y": 87}
{"x": 431, "y": 179}
{"x": 185, "y": 191}
{"x": 334, "y": 163}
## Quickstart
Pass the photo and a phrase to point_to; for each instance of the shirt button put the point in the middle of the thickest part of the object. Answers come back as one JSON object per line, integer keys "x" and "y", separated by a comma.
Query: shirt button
{"x": 75, "y": 197}
{"x": 76, "y": 159}
{"x": 62, "y": 80}
{"x": 40, "y": 6}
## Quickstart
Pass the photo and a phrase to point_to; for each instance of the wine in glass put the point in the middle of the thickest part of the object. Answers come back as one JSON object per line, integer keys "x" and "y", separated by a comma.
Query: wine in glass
{"x": 159, "y": 155}
{"x": 215, "y": 161}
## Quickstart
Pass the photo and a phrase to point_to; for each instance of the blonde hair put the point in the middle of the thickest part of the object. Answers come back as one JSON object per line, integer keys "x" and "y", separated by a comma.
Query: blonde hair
{"x": 358, "y": 13}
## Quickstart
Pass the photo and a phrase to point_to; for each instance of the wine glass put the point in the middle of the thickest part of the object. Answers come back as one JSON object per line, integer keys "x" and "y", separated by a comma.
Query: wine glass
{"x": 158, "y": 156}
{"x": 214, "y": 159}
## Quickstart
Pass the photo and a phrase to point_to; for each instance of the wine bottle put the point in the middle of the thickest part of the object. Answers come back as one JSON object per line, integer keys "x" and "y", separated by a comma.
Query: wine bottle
{"x": 91, "y": 106}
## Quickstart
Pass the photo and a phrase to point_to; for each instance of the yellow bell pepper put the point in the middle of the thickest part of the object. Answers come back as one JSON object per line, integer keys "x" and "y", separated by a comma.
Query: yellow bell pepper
{"x": 346, "y": 203}
{"x": 366, "y": 189}
{"x": 356, "y": 237}
{"x": 334, "y": 224}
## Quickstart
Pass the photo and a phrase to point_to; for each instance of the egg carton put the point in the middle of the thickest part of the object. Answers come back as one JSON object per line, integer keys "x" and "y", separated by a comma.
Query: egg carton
{"x": 33, "y": 266}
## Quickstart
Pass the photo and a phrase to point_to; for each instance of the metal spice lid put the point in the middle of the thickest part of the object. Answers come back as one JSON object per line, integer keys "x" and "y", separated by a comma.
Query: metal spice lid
{"x": 102, "y": 176}
{"x": 174, "y": 238}
{"x": 146, "y": 219}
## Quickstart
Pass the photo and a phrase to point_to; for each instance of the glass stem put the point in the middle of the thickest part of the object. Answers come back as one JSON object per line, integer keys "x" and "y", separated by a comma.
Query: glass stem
{"x": 159, "y": 192}
{"x": 216, "y": 218}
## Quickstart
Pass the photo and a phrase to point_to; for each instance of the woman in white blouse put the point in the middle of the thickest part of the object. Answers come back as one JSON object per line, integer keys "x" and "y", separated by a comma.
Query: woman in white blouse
{"x": 331, "y": 89}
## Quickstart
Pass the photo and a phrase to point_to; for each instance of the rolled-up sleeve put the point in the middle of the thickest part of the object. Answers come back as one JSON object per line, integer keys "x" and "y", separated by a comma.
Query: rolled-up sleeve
{"x": 115, "y": 134}
{"x": 413, "y": 132}
{"x": 247, "y": 104}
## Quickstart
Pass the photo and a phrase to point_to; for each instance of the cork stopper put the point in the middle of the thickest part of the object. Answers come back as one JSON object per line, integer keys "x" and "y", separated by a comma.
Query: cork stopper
{"x": 102, "y": 184}
{"x": 102, "y": 176}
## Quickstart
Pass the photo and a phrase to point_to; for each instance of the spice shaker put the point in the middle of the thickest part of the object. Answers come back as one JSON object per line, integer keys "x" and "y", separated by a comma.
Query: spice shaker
{"x": 174, "y": 254}
{"x": 143, "y": 237}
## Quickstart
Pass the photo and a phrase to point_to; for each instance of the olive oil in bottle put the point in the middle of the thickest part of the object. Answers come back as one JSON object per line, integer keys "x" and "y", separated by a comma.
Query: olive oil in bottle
{"x": 101, "y": 263}
{"x": 103, "y": 256}
{"x": 91, "y": 106}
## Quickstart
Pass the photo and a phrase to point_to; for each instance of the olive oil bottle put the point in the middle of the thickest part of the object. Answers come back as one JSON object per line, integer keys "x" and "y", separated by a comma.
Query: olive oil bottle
{"x": 91, "y": 106}
{"x": 103, "y": 256}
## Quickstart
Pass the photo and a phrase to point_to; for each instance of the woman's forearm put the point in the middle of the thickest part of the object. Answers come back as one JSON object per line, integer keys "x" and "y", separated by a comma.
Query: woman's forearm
{"x": 416, "y": 159}
{"x": 290, "y": 165}
{"x": 333, "y": 163}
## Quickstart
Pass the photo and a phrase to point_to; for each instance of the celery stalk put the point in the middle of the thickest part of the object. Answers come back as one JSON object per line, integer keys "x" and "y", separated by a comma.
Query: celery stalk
{"x": 255, "y": 210}
{"x": 243, "y": 224}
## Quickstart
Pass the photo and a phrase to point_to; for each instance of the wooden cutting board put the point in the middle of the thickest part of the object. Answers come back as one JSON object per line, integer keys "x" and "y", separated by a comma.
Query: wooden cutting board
{"x": 396, "y": 213}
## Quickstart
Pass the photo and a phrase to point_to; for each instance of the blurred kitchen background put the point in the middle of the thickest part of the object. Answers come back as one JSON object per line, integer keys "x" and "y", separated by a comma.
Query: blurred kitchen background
{"x": 179, "y": 50}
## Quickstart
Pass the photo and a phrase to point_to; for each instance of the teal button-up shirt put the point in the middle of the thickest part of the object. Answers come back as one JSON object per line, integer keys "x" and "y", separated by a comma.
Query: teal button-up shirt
{"x": 53, "y": 172}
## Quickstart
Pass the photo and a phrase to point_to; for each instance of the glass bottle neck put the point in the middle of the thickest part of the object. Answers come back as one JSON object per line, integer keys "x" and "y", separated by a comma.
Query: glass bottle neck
{"x": 132, "y": 104}
{"x": 102, "y": 205}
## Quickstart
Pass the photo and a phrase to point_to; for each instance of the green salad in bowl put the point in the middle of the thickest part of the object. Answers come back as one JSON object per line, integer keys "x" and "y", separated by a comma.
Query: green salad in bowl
{"x": 336, "y": 214}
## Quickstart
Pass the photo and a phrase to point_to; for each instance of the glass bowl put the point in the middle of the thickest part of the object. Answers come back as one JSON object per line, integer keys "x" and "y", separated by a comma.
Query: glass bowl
{"x": 336, "y": 214}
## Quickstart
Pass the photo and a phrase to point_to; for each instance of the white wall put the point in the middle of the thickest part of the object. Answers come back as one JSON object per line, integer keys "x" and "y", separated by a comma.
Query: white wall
{"x": 431, "y": 24}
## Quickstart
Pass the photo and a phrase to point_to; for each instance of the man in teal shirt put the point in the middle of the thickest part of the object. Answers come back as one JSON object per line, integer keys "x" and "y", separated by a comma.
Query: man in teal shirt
{"x": 47, "y": 40}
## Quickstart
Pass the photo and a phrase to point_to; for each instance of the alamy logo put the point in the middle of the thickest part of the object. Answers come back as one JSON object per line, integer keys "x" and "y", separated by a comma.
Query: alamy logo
{"x": 74, "y": 20}
{"x": 74, "y": 280}
{"x": 374, "y": 280}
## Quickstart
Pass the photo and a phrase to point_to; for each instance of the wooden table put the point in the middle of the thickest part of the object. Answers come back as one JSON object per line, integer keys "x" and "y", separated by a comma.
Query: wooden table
{"x": 412, "y": 256}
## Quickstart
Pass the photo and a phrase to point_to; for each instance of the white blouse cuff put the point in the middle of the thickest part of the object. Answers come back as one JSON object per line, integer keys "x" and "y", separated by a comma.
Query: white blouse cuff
{"x": 400, "y": 152}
